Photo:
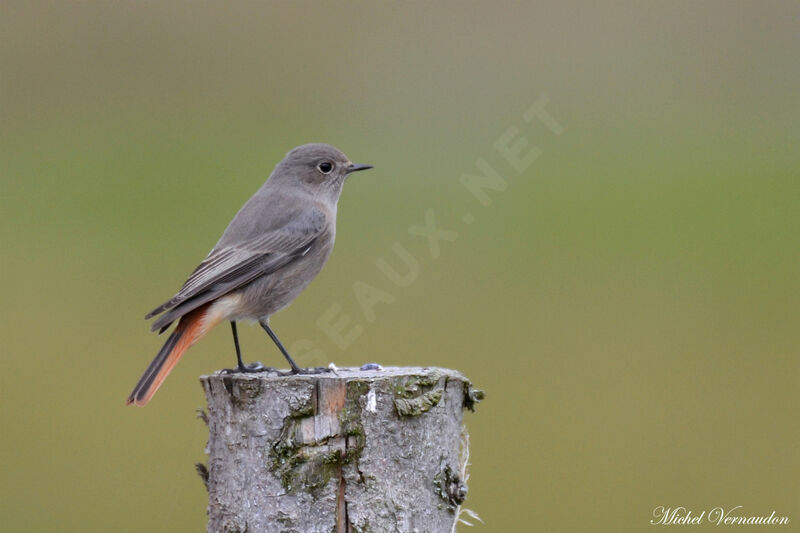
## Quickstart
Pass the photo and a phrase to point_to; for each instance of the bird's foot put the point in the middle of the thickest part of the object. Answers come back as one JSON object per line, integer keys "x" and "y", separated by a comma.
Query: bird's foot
{"x": 306, "y": 371}
{"x": 252, "y": 368}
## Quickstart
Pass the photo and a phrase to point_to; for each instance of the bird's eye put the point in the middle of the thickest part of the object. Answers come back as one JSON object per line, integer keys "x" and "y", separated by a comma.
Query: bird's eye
{"x": 325, "y": 167}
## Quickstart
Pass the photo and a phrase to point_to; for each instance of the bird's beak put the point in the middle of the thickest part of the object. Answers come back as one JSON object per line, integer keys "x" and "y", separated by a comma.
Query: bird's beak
{"x": 354, "y": 167}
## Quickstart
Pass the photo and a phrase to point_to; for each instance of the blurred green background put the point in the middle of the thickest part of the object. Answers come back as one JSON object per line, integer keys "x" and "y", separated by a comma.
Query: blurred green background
{"x": 629, "y": 302}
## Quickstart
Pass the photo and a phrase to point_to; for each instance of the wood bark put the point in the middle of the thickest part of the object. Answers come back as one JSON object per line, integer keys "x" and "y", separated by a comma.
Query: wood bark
{"x": 356, "y": 451}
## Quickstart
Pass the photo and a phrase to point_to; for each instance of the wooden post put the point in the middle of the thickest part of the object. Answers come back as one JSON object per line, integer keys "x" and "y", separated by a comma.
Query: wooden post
{"x": 356, "y": 451}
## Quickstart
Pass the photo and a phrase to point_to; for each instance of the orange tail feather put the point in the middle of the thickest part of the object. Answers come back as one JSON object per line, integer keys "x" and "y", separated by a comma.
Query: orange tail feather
{"x": 190, "y": 329}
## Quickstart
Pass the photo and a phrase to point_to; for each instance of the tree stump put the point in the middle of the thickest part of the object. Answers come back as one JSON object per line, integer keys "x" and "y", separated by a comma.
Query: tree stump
{"x": 355, "y": 451}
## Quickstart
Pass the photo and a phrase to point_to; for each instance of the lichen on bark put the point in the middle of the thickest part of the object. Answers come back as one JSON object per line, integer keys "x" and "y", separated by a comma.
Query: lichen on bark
{"x": 357, "y": 451}
{"x": 415, "y": 395}
{"x": 450, "y": 487}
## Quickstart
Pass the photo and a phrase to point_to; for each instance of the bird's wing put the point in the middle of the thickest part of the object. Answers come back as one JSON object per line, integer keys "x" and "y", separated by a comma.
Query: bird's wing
{"x": 229, "y": 267}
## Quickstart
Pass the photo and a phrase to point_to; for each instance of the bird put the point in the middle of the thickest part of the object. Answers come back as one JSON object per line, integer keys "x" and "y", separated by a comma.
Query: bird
{"x": 272, "y": 249}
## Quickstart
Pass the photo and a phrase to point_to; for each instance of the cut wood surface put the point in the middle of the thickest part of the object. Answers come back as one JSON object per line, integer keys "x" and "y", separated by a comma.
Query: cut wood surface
{"x": 355, "y": 451}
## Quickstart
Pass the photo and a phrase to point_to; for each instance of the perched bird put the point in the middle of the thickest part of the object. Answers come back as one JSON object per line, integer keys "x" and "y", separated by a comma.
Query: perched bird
{"x": 272, "y": 249}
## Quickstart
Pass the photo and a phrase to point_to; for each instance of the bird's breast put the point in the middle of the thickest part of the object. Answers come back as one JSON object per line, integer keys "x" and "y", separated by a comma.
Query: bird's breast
{"x": 271, "y": 293}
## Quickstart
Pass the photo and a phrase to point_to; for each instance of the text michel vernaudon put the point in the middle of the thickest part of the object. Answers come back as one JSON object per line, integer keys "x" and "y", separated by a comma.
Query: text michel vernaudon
{"x": 681, "y": 516}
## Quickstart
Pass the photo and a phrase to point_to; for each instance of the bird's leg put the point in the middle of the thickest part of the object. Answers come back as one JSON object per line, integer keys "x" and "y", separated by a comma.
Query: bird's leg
{"x": 236, "y": 345}
{"x": 241, "y": 367}
{"x": 295, "y": 369}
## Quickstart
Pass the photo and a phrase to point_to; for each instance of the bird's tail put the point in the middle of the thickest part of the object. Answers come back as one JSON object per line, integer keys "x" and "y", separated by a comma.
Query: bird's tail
{"x": 191, "y": 328}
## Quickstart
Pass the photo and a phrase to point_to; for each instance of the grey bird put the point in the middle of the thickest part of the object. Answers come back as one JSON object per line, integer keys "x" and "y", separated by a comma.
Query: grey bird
{"x": 272, "y": 249}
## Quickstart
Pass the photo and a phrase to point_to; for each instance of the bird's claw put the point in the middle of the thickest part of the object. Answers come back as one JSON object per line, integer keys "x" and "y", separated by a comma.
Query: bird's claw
{"x": 306, "y": 371}
{"x": 252, "y": 368}
{"x": 257, "y": 367}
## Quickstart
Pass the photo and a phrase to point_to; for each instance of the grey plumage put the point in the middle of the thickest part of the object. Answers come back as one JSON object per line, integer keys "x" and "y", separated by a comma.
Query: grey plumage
{"x": 274, "y": 246}
{"x": 230, "y": 267}
{"x": 279, "y": 224}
